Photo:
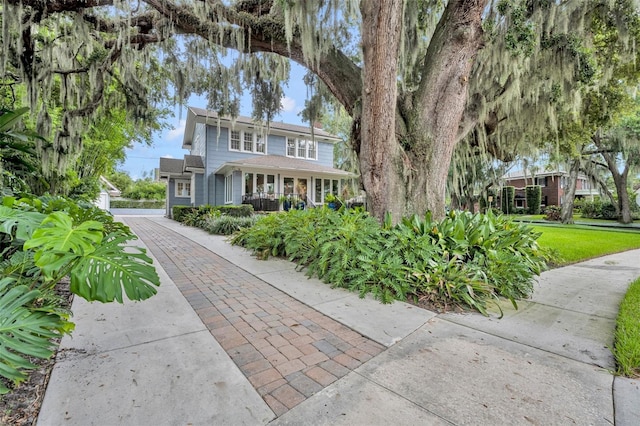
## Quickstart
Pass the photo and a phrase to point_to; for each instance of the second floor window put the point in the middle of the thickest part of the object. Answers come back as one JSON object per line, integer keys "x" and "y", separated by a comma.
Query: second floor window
{"x": 291, "y": 147}
{"x": 247, "y": 142}
{"x": 260, "y": 146}
{"x": 235, "y": 141}
{"x": 301, "y": 148}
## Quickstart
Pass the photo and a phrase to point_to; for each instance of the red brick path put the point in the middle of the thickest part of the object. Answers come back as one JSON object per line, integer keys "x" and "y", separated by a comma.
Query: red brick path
{"x": 287, "y": 350}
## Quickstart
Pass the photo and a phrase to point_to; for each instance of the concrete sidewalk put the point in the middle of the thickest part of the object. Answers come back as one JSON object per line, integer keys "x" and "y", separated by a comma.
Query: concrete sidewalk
{"x": 157, "y": 363}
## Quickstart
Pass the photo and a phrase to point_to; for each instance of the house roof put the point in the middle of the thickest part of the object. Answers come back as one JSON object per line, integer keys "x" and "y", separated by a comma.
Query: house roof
{"x": 519, "y": 174}
{"x": 171, "y": 167}
{"x": 279, "y": 162}
{"x": 193, "y": 163}
{"x": 195, "y": 115}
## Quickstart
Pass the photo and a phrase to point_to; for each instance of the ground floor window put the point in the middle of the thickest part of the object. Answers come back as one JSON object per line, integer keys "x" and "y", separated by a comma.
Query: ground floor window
{"x": 183, "y": 188}
{"x": 259, "y": 183}
{"x": 228, "y": 189}
{"x": 324, "y": 187}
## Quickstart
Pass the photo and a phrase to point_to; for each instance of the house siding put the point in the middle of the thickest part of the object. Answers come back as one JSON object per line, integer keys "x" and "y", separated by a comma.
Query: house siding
{"x": 218, "y": 183}
{"x": 276, "y": 145}
{"x": 325, "y": 154}
{"x": 173, "y": 200}
{"x": 198, "y": 189}
{"x": 212, "y": 144}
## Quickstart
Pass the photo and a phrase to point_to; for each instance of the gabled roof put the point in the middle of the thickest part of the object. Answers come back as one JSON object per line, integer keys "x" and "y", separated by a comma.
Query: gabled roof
{"x": 279, "y": 162}
{"x": 193, "y": 163}
{"x": 199, "y": 115}
{"x": 171, "y": 167}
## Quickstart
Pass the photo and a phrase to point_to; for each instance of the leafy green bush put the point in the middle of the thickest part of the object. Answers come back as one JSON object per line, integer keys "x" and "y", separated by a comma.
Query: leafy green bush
{"x": 533, "y": 194}
{"x": 146, "y": 189}
{"x": 243, "y": 210}
{"x": 507, "y": 200}
{"x": 197, "y": 215}
{"x": 553, "y": 213}
{"x": 226, "y": 225}
{"x": 44, "y": 240}
{"x": 464, "y": 259}
{"x": 598, "y": 210}
{"x": 137, "y": 204}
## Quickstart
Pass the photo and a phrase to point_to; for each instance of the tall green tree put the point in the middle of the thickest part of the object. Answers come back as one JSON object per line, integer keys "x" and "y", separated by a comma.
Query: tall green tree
{"x": 415, "y": 85}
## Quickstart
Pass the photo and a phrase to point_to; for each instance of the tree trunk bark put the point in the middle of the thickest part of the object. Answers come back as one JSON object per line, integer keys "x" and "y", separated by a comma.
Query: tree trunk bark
{"x": 379, "y": 152}
{"x": 568, "y": 198}
{"x": 407, "y": 173}
{"x": 620, "y": 181}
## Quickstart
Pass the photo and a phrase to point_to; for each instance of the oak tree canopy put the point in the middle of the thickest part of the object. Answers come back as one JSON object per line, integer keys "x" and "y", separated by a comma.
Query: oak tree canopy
{"x": 421, "y": 79}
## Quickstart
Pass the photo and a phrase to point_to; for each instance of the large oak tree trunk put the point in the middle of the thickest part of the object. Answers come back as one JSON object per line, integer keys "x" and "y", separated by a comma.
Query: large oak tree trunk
{"x": 379, "y": 151}
{"x": 407, "y": 172}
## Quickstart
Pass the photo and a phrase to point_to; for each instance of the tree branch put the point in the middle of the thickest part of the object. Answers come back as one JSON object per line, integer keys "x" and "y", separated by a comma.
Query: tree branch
{"x": 265, "y": 33}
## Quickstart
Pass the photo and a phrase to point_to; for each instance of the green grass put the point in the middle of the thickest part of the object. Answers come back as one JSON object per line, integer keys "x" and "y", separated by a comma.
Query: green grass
{"x": 572, "y": 243}
{"x": 627, "y": 335}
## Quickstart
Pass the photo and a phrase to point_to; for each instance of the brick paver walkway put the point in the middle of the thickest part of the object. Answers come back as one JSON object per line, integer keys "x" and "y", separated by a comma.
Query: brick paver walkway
{"x": 287, "y": 350}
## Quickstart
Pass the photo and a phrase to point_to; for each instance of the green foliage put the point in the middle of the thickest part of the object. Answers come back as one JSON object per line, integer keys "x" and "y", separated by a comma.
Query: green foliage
{"x": 17, "y": 158}
{"x": 137, "y": 204}
{"x": 146, "y": 189}
{"x": 598, "y": 210}
{"x": 508, "y": 199}
{"x": 120, "y": 180}
{"x": 627, "y": 335}
{"x": 575, "y": 243}
{"x": 243, "y": 210}
{"x": 464, "y": 259}
{"x": 553, "y": 213}
{"x": 533, "y": 194}
{"x": 26, "y": 330}
{"x": 44, "y": 240}
{"x": 193, "y": 216}
{"x": 227, "y": 225}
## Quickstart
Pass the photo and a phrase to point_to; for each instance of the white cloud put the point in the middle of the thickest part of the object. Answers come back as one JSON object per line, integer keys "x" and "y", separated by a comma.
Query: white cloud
{"x": 288, "y": 104}
{"x": 167, "y": 156}
{"x": 177, "y": 132}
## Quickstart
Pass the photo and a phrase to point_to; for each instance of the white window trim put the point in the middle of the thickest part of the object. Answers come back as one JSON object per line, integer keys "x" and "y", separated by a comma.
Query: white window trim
{"x": 184, "y": 182}
{"x": 228, "y": 189}
{"x": 306, "y": 155}
{"x": 254, "y": 143}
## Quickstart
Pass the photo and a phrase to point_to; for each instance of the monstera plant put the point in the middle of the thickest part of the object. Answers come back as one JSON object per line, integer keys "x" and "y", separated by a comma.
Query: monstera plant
{"x": 45, "y": 240}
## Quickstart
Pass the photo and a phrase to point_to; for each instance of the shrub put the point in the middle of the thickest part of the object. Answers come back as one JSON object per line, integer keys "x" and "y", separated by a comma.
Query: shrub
{"x": 553, "y": 213}
{"x": 507, "y": 201}
{"x": 227, "y": 225}
{"x": 178, "y": 211}
{"x": 196, "y": 215}
{"x": 534, "y": 198}
{"x": 598, "y": 210}
{"x": 243, "y": 210}
{"x": 464, "y": 259}
{"x": 137, "y": 204}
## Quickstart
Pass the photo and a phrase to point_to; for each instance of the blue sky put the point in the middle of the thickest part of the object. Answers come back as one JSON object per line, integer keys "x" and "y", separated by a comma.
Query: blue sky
{"x": 144, "y": 159}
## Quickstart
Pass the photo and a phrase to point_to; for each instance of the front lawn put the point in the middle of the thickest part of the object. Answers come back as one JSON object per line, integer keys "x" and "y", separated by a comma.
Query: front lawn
{"x": 627, "y": 336}
{"x": 574, "y": 243}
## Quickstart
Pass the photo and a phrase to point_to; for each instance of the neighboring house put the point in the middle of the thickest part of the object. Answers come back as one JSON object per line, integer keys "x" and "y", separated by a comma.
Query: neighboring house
{"x": 107, "y": 190}
{"x": 553, "y": 185}
{"x": 239, "y": 161}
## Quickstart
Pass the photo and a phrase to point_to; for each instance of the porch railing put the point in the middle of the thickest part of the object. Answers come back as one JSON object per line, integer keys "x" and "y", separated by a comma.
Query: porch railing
{"x": 264, "y": 202}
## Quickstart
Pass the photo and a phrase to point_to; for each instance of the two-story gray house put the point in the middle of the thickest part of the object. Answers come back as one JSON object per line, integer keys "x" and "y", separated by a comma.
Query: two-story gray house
{"x": 236, "y": 161}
